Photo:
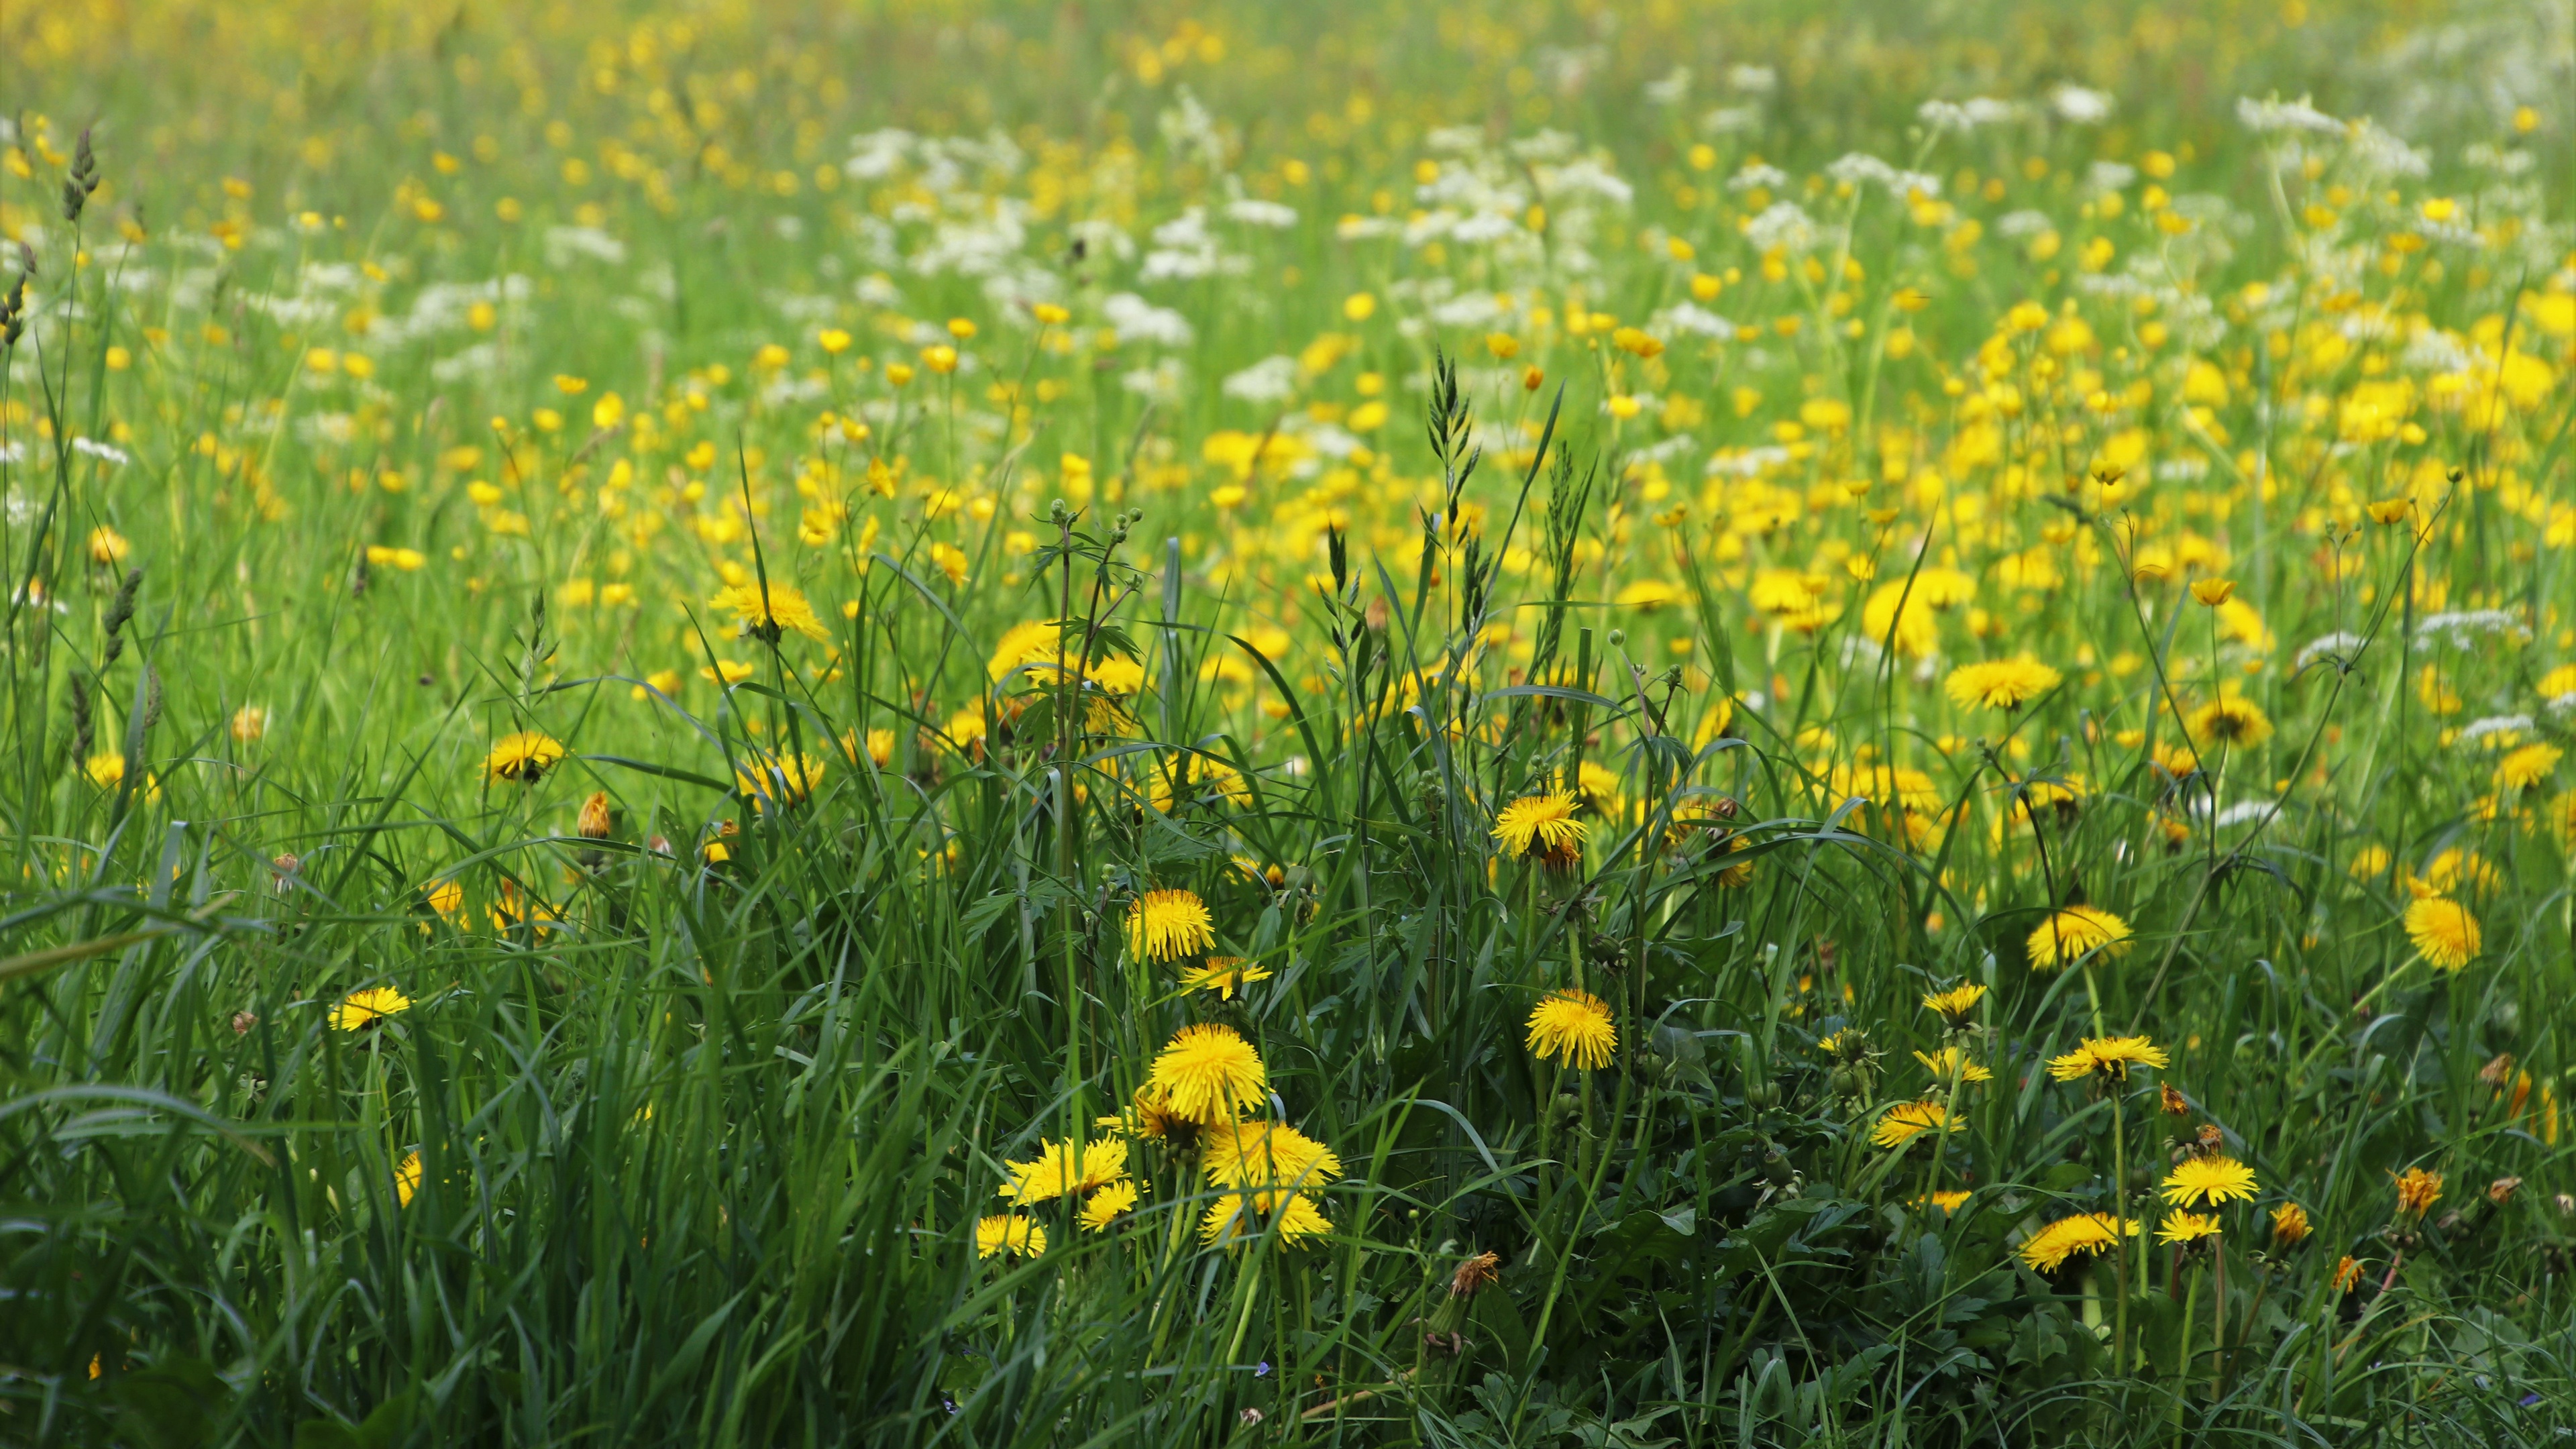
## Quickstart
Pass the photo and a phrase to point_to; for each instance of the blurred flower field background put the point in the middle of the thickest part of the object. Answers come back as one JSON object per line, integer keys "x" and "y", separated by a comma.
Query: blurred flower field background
{"x": 1492, "y": 724}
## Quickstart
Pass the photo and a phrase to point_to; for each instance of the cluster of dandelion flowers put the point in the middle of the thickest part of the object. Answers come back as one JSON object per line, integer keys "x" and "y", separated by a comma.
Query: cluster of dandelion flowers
{"x": 1169, "y": 925}
{"x": 1908, "y": 1120}
{"x": 361, "y": 1009}
{"x": 1060, "y": 1171}
{"x": 1542, "y": 822}
{"x": 1573, "y": 1027}
{"x": 2184, "y": 1229}
{"x": 1009, "y": 1233}
{"x": 2443, "y": 932}
{"x": 1209, "y": 1074}
{"x": 2000, "y": 683}
{"x": 2086, "y": 1233}
{"x": 524, "y": 757}
{"x": 2209, "y": 1182}
{"x": 2072, "y": 933}
{"x": 767, "y": 610}
{"x": 2108, "y": 1057}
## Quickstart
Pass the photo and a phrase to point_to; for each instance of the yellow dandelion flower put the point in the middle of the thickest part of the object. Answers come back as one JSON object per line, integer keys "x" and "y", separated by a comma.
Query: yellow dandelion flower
{"x": 2417, "y": 1190}
{"x": 1009, "y": 1233}
{"x": 1108, "y": 1205}
{"x": 1952, "y": 1064}
{"x": 406, "y": 1179}
{"x": 2110, "y": 1057}
{"x": 2290, "y": 1225}
{"x": 2075, "y": 932}
{"x": 1908, "y": 1120}
{"x": 2443, "y": 931}
{"x": 768, "y": 615}
{"x": 1955, "y": 1005}
{"x": 1949, "y": 1200}
{"x": 1168, "y": 925}
{"x": 1224, "y": 975}
{"x": 2186, "y": 1228}
{"x": 788, "y": 779}
{"x": 2209, "y": 1182}
{"x": 524, "y": 757}
{"x": 2230, "y": 719}
{"x": 2086, "y": 1233}
{"x": 365, "y": 1008}
{"x": 2527, "y": 766}
{"x": 1546, "y": 821}
{"x": 107, "y": 771}
{"x": 2001, "y": 683}
{"x": 1258, "y": 1154}
{"x": 1574, "y": 1028}
{"x": 1209, "y": 1074}
{"x": 1058, "y": 1171}
{"x": 1236, "y": 1216}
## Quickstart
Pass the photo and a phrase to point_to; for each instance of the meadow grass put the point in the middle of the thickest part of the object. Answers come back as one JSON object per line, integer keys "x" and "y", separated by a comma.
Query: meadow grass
{"x": 987, "y": 723}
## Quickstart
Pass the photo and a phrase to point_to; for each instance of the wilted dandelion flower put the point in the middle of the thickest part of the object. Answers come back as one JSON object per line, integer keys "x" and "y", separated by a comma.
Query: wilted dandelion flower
{"x": 1209, "y": 1074}
{"x": 1009, "y": 1233}
{"x": 524, "y": 756}
{"x": 2443, "y": 931}
{"x": 1058, "y": 1171}
{"x": 2074, "y": 932}
{"x": 2001, "y": 683}
{"x": 1955, "y": 1005}
{"x": 2209, "y": 1181}
{"x": 1168, "y": 925}
{"x": 1908, "y": 1120}
{"x": 2417, "y": 1190}
{"x": 2289, "y": 1225}
{"x": 767, "y": 610}
{"x": 1546, "y": 821}
{"x": 2109, "y": 1057}
{"x": 2347, "y": 1274}
{"x": 365, "y": 1008}
{"x": 2088, "y": 1233}
{"x": 2184, "y": 1229}
{"x": 1108, "y": 1205}
{"x": 1573, "y": 1027}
